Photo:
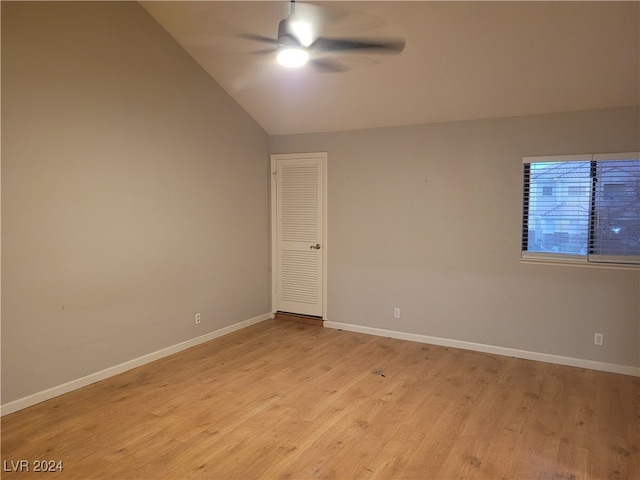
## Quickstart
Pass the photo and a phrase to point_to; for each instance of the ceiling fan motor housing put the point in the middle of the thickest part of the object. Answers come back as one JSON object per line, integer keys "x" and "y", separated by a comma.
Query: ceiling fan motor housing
{"x": 285, "y": 34}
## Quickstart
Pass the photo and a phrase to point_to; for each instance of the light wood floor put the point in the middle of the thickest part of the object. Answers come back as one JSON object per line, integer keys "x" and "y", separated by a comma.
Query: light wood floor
{"x": 287, "y": 400}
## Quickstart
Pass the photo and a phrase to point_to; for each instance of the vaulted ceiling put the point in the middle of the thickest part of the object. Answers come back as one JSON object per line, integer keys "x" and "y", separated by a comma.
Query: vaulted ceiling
{"x": 462, "y": 60}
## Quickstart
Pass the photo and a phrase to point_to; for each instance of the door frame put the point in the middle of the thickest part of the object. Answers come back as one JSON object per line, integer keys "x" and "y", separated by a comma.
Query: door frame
{"x": 287, "y": 156}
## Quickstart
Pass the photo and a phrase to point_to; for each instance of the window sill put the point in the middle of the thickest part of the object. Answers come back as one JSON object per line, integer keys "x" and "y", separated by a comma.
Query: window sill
{"x": 574, "y": 263}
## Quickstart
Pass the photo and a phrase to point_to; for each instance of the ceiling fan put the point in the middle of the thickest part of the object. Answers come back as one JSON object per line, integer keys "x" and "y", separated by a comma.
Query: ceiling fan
{"x": 298, "y": 41}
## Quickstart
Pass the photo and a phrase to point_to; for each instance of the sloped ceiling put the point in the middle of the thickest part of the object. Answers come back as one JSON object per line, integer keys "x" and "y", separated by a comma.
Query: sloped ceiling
{"x": 463, "y": 60}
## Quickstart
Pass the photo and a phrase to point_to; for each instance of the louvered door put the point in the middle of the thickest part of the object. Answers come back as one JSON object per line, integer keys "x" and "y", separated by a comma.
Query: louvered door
{"x": 299, "y": 241}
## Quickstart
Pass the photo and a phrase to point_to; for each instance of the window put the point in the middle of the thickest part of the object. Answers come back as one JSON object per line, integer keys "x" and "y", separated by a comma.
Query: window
{"x": 583, "y": 208}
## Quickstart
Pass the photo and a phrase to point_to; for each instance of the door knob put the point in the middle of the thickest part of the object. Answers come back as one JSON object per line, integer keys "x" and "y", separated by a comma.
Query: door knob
{"x": 315, "y": 247}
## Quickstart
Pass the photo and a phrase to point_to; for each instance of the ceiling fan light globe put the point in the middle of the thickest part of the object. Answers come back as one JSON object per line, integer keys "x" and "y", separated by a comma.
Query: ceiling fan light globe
{"x": 292, "y": 57}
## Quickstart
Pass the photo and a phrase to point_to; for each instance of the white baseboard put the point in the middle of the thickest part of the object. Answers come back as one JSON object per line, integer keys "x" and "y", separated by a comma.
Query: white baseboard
{"x": 123, "y": 367}
{"x": 479, "y": 347}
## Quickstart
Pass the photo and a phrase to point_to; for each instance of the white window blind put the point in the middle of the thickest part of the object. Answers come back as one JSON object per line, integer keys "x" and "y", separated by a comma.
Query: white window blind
{"x": 582, "y": 208}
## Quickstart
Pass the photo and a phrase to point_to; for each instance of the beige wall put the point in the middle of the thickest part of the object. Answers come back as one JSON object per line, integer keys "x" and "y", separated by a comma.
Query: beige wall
{"x": 134, "y": 194}
{"x": 428, "y": 218}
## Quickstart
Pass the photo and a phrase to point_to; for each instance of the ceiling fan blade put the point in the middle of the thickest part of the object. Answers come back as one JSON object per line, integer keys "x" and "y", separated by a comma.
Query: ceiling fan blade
{"x": 377, "y": 45}
{"x": 325, "y": 65}
{"x": 259, "y": 38}
{"x": 264, "y": 51}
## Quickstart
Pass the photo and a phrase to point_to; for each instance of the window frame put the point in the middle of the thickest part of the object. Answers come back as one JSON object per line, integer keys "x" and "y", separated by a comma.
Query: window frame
{"x": 588, "y": 259}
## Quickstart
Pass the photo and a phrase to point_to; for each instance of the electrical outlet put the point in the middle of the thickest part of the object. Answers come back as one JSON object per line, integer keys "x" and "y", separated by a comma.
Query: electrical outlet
{"x": 396, "y": 313}
{"x": 598, "y": 339}
{"x": 197, "y": 318}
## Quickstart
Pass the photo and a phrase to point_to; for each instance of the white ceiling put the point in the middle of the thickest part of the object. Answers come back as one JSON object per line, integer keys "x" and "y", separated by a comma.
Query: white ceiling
{"x": 463, "y": 60}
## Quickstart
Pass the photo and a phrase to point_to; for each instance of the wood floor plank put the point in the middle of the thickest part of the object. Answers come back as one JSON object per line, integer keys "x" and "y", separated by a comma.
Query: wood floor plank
{"x": 294, "y": 401}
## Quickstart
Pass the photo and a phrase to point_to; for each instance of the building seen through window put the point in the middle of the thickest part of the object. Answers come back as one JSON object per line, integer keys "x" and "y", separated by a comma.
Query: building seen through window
{"x": 583, "y": 207}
